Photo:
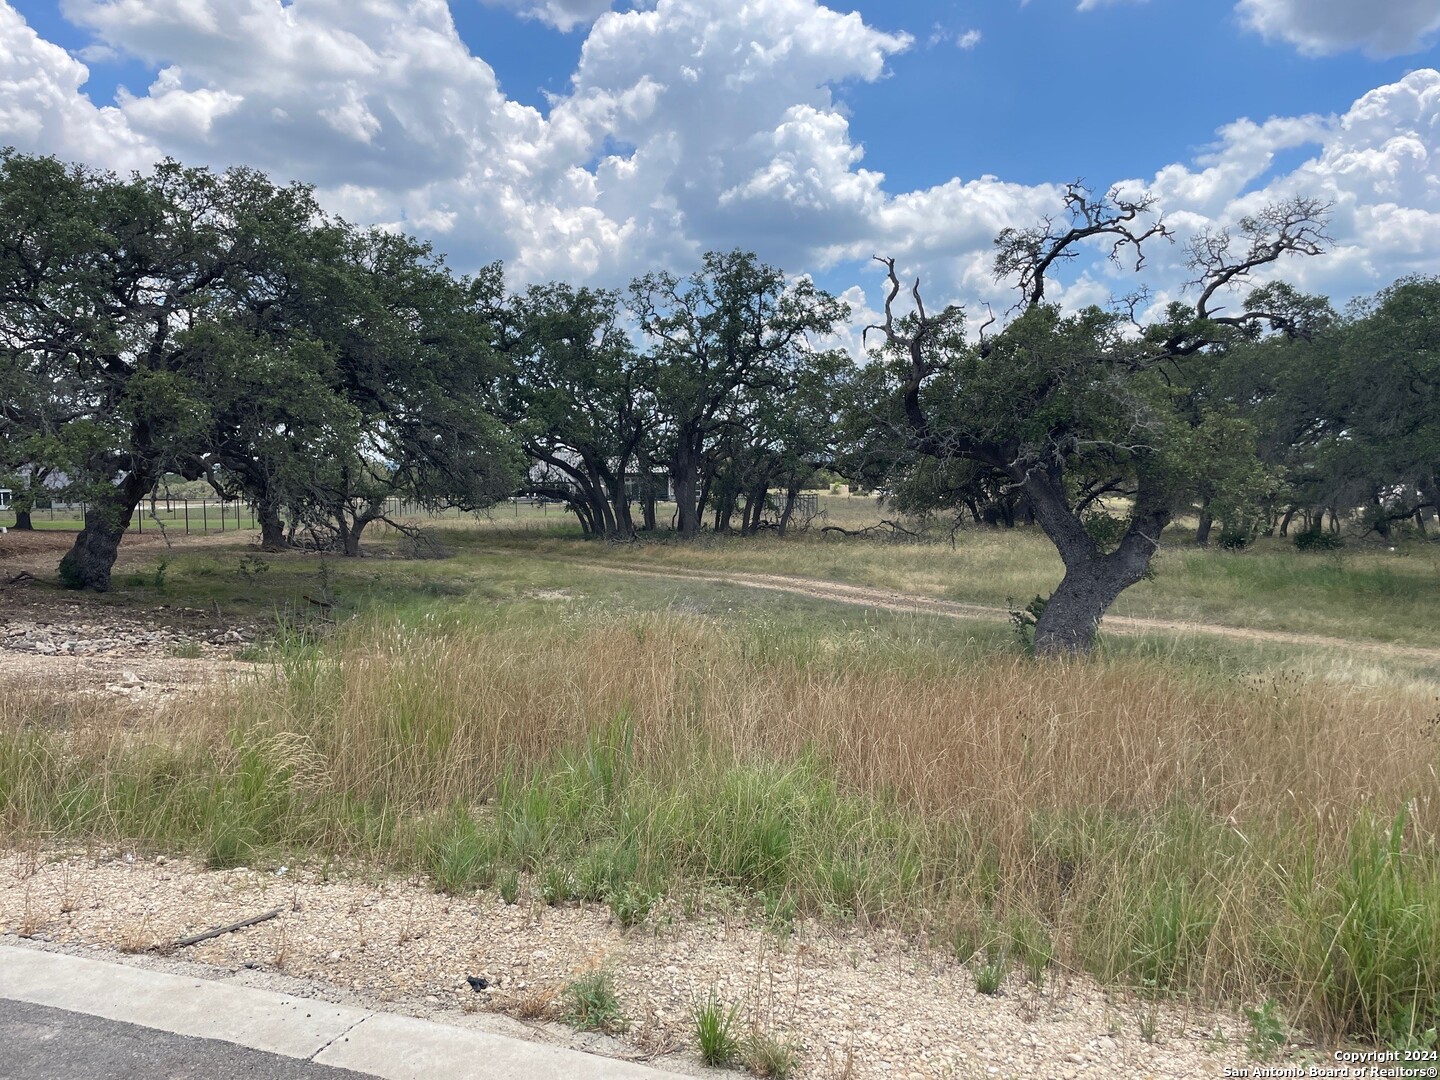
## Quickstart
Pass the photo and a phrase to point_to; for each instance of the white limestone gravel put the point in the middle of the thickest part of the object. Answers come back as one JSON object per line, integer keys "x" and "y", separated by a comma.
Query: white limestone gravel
{"x": 861, "y": 1004}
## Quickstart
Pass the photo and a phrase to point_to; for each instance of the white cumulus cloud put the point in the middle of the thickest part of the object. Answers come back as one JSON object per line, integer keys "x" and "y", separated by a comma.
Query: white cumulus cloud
{"x": 42, "y": 108}
{"x": 687, "y": 125}
{"x": 562, "y": 14}
{"x": 1321, "y": 27}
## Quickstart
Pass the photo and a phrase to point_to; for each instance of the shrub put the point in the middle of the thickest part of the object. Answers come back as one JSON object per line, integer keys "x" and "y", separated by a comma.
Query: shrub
{"x": 1024, "y": 620}
{"x": 1318, "y": 540}
{"x": 1235, "y": 538}
{"x": 1268, "y": 1030}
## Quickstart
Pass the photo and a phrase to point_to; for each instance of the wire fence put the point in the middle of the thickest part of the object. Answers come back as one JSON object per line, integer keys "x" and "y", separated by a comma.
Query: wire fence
{"x": 203, "y": 516}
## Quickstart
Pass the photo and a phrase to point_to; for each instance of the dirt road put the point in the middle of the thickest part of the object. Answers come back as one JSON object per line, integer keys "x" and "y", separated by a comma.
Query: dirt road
{"x": 888, "y": 600}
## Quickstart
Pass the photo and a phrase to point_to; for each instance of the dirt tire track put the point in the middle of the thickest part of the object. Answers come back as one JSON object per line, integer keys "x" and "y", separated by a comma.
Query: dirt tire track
{"x": 1130, "y": 625}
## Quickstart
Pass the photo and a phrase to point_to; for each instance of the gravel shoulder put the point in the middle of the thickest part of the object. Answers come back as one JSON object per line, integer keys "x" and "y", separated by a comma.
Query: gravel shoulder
{"x": 861, "y": 1004}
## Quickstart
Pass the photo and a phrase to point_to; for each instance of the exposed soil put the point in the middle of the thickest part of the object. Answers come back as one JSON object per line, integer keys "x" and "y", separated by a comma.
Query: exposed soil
{"x": 859, "y": 1003}
{"x": 38, "y": 552}
{"x": 79, "y": 642}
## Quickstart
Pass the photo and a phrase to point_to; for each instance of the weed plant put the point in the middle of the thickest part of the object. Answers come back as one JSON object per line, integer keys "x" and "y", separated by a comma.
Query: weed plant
{"x": 715, "y": 1031}
{"x": 770, "y": 1057}
{"x": 589, "y": 1003}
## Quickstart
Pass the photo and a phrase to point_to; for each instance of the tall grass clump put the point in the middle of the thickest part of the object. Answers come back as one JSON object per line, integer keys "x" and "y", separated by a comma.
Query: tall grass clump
{"x": 1167, "y": 828}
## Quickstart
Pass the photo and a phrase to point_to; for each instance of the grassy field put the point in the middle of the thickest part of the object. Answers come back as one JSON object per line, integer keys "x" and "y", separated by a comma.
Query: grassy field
{"x": 1185, "y": 817}
{"x": 1366, "y": 591}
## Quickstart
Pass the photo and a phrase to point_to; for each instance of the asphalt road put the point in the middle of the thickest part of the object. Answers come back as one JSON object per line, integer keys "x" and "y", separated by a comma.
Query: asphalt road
{"x": 40, "y": 1043}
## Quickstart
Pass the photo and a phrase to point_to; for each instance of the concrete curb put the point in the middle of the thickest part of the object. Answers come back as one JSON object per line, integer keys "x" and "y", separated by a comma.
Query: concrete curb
{"x": 380, "y": 1044}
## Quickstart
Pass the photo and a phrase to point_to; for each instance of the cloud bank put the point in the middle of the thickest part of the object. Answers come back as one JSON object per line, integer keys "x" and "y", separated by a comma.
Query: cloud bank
{"x": 688, "y": 125}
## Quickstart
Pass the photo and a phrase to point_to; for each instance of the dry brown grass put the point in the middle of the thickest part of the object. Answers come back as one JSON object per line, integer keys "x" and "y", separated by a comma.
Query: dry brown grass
{"x": 1119, "y": 816}
{"x": 434, "y": 718}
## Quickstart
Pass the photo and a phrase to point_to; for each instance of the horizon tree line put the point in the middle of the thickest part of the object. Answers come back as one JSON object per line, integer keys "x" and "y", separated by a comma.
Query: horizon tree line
{"x": 225, "y": 329}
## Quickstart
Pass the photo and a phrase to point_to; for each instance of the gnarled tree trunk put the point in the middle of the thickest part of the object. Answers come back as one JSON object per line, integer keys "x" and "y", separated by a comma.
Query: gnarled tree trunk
{"x": 685, "y": 474}
{"x": 350, "y": 536}
{"x": 792, "y": 494}
{"x": 1093, "y": 579}
{"x": 272, "y": 528}
{"x": 1207, "y": 522}
{"x": 88, "y": 563}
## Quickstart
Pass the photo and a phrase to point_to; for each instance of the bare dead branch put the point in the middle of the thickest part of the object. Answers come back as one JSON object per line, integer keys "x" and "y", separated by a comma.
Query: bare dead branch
{"x": 195, "y": 939}
{"x": 1029, "y": 254}
{"x": 985, "y": 345}
{"x": 894, "y": 529}
{"x": 1296, "y": 226}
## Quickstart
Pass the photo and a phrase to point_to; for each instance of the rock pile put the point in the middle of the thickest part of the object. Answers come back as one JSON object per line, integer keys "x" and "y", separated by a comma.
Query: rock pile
{"x": 119, "y": 638}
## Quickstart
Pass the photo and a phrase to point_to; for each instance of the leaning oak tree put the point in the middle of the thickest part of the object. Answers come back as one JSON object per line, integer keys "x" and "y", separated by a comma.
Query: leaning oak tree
{"x": 414, "y": 357}
{"x": 103, "y": 282}
{"x": 1075, "y": 409}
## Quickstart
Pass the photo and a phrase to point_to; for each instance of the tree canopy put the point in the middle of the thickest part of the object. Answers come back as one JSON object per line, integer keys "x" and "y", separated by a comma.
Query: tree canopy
{"x": 222, "y": 328}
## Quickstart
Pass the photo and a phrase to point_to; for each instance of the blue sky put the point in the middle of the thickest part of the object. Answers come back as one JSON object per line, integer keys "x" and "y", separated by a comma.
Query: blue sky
{"x": 575, "y": 141}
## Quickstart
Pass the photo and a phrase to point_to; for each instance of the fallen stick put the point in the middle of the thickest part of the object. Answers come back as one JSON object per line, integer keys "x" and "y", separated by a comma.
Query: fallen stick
{"x": 195, "y": 939}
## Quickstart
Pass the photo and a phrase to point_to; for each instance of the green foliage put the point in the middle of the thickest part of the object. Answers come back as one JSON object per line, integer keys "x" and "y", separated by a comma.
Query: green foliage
{"x": 735, "y": 375}
{"x": 71, "y": 576}
{"x": 1024, "y": 620}
{"x": 589, "y": 1003}
{"x": 1268, "y": 1030}
{"x": 1064, "y": 409}
{"x": 1318, "y": 540}
{"x": 631, "y": 904}
{"x": 1105, "y": 529}
{"x": 377, "y": 354}
{"x": 715, "y": 1031}
{"x": 1236, "y": 538}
